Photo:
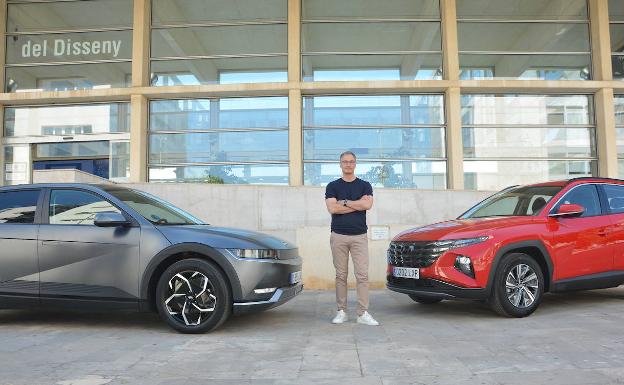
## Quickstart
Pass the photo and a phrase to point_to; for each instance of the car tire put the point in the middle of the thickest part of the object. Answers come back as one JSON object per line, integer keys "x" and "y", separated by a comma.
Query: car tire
{"x": 193, "y": 296}
{"x": 517, "y": 297}
{"x": 424, "y": 300}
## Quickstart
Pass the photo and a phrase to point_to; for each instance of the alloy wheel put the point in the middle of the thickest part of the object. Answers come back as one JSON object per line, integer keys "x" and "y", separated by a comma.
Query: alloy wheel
{"x": 522, "y": 286}
{"x": 190, "y": 298}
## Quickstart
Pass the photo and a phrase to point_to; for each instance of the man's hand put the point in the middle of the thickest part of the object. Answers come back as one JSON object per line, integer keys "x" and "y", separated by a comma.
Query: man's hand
{"x": 362, "y": 204}
{"x": 335, "y": 207}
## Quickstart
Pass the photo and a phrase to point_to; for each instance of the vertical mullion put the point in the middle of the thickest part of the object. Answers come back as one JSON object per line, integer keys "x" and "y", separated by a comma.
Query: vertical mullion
{"x": 3, "y": 21}
{"x": 454, "y": 142}
{"x": 606, "y": 133}
{"x": 450, "y": 50}
{"x": 295, "y": 138}
{"x": 600, "y": 40}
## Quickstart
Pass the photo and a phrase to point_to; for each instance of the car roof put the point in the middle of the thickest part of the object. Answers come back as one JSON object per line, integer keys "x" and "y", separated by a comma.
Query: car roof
{"x": 89, "y": 186}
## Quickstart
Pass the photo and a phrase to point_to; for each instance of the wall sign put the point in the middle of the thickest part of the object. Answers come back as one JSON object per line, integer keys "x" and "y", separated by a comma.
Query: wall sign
{"x": 68, "y": 48}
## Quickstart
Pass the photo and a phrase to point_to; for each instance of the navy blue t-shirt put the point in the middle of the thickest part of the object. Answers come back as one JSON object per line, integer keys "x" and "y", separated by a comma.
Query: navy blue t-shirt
{"x": 353, "y": 223}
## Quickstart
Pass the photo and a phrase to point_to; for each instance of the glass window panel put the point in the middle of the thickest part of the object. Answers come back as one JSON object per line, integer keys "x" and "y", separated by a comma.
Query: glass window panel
{"x": 198, "y": 11}
{"x": 66, "y": 15}
{"x": 68, "y": 77}
{"x": 371, "y": 37}
{"x": 619, "y": 110}
{"x": 223, "y": 174}
{"x": 522, "y": 10}
{"x": 527, "y": 109}
{"x": 219, "y": 71}
{"x": 404, "y": 174}
{"x": 69, "y": 47}
{"x": 617, "y": 64}
{"x": 585, "y": 196}
{"x": 17, "y": 164}
{"x": 67, "y": 120}
{"x": 119, "y": 167}
{"x": 523, "y": 37}
{"x": 616, "y": 10}
{"x": 224, "y": 40}
{"x": 243, "y": 146}
{"x": 617, "y": 37}
{"x": 18, "y": 206}
{"x": 371, "y": 67}
{"x": 373, "y": 110}
{"x": 621, "y": 168}
{"x": 615, "y": 197}
{"x": 380, "y": 143}
{"x": 72, "y": 149}
{"x": 495, "y": 175}
{"x": 530, "y": 142}
{"x": 72, "y": 207}
{"x": 362, "y": 9}
{"x": 543, "y": 67}
{"x": 195, "y": 114}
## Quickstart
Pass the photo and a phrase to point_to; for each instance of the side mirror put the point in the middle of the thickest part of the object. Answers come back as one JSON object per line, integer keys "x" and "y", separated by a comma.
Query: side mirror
{"x": 569, "y": 210}
{"x": 110, "y": 219}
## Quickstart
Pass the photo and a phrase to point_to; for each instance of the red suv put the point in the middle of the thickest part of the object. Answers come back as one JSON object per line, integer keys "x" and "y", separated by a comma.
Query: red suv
{"x": 514, "y": 246}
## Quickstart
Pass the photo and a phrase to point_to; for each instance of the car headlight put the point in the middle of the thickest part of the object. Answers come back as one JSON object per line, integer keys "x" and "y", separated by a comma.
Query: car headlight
{"x": 442, "y": 246}
{"x": 253, "y": 253}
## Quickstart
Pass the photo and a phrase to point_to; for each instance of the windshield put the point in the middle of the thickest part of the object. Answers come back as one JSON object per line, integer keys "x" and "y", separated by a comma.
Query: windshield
{"x": 516, "y": 201}
{"x": 154, "y": 209}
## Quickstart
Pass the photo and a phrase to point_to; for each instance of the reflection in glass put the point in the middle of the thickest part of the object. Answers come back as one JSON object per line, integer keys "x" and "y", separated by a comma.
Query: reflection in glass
{"x": 67, "y": 120}
{"x": 529, "y": 142}
{"x": 208, "y": 114}
{"x": 219, "y": 71}
{"x": 523, "y": 10}
{"x": 377, "y": 143}
{"x": 223, "y": 40}
{"x": 372, "y": 67}
{"x": 72, "y": 149}
{"x": 166, "y": 12}
{"x": 119, "y": 161}
{"x": 370, "y": 9}
{"x": 219, "y": 174}
{"x": 17, "y": 167}
{"x": 373, "y": 110}
{"x": 403, "y": 174}
{"x": 494, "y": 175}
{"x": 68, "y": 77}
{"x": 542, "y": 67}
{"x": 616, "y": 10}
{"x": 241, "y": 146}
{"x": 527, "y": 109}
{"x": 69, "y": 15}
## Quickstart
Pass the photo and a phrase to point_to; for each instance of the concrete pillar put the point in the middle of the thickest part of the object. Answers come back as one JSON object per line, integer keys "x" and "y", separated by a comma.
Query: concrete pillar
{"x": 454, "y": 143}
{"x": 138, "y": 138}
{"x": 600, "y": 39}
{"x": 294, "y": 40}
{"x": 450, "y": 56}
{"x": 295, "y": 138}
{"x": 606, "y": 133}
{"x": 141, "y": 43}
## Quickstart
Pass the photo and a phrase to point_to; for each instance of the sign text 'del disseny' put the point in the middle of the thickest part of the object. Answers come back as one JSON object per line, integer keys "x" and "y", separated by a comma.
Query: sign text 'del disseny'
{"x": 67, "y": 47}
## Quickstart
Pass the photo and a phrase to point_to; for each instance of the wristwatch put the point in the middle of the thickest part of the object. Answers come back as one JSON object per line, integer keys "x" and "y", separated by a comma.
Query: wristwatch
{"x": 344, "y": 202}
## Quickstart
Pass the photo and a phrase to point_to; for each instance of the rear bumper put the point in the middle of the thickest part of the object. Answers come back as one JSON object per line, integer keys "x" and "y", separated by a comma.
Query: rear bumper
{"x": 432, "y": 288}
{"x": 281, "y": 295}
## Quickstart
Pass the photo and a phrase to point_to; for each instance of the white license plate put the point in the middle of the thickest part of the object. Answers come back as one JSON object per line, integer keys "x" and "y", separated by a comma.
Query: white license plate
{"x": 406, "y": 272}
{"x": 295, "y": 277}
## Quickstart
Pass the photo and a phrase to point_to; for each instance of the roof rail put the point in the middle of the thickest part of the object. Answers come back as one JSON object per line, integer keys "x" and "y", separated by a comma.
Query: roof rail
{"x": 593, "y": 178}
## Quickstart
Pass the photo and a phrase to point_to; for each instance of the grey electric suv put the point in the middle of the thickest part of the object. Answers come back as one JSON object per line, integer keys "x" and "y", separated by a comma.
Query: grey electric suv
{"x": 108, "y": 247}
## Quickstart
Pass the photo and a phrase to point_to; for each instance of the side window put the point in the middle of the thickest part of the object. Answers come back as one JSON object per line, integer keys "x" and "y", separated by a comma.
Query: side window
{"x": 615, "y": 197}
{"x": 586, "y": 196}
{"x": 18, "y": 206}
{"x": 536, "y": 204}
{"x": 73, "y": 207}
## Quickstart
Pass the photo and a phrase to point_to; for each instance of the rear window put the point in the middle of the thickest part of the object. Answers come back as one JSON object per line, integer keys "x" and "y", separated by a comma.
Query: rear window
{"x": 18, "y": 206}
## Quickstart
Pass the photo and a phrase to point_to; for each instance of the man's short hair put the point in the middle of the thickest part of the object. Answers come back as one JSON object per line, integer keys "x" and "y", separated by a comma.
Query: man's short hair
{"x": 348, "y": 153}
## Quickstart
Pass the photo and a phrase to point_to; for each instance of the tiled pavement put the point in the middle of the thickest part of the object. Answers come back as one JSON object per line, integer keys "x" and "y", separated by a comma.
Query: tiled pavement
{"x": 575, "y": 338}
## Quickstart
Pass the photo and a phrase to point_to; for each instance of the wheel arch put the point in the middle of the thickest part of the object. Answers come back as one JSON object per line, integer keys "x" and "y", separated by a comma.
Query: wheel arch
{"x": 165, "y": 258}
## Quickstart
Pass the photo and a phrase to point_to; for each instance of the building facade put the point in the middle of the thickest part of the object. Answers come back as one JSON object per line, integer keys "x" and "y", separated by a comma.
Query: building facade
{"x": 429, "y": 94}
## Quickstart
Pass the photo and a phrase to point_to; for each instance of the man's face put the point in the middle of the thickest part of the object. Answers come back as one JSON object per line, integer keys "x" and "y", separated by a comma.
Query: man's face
{"x": 347, "y": 164}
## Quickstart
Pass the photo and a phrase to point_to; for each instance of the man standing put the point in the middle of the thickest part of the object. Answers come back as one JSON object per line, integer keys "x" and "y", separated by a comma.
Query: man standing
{"x": 347, "y": 200}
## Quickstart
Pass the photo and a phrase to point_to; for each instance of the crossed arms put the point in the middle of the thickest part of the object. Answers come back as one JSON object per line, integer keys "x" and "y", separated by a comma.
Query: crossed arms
{"x": 336, "y": 207}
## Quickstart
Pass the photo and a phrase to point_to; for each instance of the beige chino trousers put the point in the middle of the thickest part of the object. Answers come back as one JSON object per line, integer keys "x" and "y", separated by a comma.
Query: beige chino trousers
{"x": 357, "y": 246}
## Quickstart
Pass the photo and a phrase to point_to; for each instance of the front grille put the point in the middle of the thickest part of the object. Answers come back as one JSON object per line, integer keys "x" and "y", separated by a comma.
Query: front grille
{"x": 414, "y": 254}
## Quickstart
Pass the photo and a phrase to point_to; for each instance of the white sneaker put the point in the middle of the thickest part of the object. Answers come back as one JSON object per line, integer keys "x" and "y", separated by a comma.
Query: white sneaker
{"x": 340, "y": 317}
{"x": 367, "y": 319}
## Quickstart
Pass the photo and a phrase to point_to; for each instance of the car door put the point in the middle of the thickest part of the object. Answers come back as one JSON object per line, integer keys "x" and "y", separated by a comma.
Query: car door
{"x": 19, "y": 270}
{"x": 581, "y": 244}
{"x": 81, "y": 260}
{"x": 614, "y": 195}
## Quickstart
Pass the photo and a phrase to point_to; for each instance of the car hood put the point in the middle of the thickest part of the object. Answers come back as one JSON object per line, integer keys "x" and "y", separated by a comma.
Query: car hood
{"x": 223, "y": 237}
{"x": 462, "y": 228}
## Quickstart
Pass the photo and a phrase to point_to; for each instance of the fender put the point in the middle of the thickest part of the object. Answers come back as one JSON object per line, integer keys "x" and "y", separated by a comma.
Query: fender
{"x": 519, "y": 245}
{"x": 209, "y": 252}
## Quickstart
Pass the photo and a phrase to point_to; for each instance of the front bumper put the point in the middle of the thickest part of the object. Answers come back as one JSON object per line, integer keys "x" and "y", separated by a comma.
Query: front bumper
{"x": 280, "y": 296}
{"x": 433, "y": 288}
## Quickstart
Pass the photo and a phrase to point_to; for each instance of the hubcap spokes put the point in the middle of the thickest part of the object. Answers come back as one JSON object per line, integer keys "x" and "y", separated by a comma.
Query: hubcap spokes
{"x": 190, "y": 298}
{"x": 521, "y": 286}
